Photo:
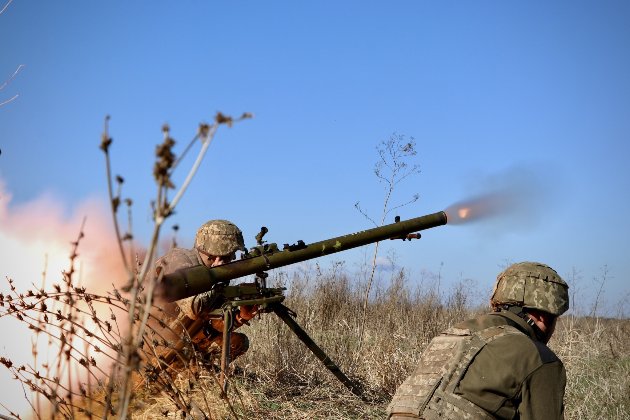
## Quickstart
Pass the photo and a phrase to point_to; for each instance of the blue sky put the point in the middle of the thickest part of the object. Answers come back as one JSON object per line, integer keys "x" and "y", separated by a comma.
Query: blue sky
{"x": 529, "y": 97}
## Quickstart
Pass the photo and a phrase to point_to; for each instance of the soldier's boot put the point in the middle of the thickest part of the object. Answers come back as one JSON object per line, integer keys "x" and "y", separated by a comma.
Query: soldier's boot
{"x": 211, "y": 348}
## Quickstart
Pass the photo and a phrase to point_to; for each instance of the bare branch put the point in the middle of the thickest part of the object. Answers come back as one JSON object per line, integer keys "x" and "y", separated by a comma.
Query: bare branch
{"x": 106, "y": 142}
{"x": 358, "y": 207}
{"x": 413, "y": 200}
{"x": 5, "y": 6}
{"x": 6, "y": 82}
{"x": 9, "y": 100}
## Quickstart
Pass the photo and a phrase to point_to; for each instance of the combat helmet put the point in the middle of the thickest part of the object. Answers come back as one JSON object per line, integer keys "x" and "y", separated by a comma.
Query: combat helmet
{"x": 219, "y": 238}
{"x": 531, "y": 285}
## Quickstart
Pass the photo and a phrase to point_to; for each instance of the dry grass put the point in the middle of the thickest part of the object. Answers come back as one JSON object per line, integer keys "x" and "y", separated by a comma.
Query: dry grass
{"x": 596, "y": 353}
{"x": 280, "y": 379}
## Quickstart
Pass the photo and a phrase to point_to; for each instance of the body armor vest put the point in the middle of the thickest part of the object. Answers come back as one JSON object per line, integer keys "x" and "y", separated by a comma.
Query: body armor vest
{"x": 429, "y": 392}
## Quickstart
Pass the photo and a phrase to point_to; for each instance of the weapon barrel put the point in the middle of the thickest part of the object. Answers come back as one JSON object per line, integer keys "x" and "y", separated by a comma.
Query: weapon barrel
{"x": 192, "y": 281}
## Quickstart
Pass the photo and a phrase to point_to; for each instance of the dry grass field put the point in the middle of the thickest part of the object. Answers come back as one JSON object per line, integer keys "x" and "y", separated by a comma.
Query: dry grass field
{"x": 280, "y": 379}
{"x": 376, "y": 346}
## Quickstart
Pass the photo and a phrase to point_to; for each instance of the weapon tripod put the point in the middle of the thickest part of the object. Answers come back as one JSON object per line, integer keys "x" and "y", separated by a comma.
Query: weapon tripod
{"x": 267, "y": 300}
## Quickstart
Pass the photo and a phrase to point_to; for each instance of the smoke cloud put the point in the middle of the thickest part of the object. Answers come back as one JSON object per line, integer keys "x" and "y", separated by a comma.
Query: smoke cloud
{"x": 35, "y": 244}
{"x": 516, "y": 198}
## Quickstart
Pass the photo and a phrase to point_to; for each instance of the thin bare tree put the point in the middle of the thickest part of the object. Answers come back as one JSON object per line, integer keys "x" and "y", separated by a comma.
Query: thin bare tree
{"x": 395, "y": 164}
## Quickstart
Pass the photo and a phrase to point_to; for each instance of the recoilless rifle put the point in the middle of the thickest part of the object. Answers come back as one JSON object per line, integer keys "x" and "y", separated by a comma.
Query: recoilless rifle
{"x": 266, "y": 256}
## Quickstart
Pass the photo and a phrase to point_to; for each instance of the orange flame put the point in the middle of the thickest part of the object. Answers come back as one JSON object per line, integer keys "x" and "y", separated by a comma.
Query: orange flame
{"x": 463, "y": 212}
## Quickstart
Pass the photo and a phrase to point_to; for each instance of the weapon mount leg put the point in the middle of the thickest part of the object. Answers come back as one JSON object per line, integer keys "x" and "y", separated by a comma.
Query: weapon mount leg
{"x": 225, "y": 351}
{"x": 283, "y": 312}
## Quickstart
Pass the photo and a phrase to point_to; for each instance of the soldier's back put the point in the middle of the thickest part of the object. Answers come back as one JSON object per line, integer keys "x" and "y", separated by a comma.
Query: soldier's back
{"x": 476, "y": 369}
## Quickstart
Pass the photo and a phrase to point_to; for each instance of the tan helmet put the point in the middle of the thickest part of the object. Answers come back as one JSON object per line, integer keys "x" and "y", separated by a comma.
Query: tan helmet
{"x": 219, "y": 238}
{"x": 531, "y": 285}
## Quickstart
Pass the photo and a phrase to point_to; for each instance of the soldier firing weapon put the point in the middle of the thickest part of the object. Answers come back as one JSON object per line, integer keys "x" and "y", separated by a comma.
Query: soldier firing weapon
{"x": 258, "y": 260}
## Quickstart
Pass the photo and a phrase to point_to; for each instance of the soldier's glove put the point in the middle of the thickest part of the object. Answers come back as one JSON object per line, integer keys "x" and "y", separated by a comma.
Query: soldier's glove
{"x": 241, "y": 317}
{"x": 246, "y": 313}
{"x": 206, "y": 302}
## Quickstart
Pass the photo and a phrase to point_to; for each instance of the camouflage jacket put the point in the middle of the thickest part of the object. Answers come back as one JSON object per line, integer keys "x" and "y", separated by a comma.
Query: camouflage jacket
{"x": 494, "y": 362}
{"x": 175, "y": 259}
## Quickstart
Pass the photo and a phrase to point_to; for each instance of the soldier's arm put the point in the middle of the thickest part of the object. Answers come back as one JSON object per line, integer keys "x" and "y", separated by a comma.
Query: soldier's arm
{"x": 542, "y": 394}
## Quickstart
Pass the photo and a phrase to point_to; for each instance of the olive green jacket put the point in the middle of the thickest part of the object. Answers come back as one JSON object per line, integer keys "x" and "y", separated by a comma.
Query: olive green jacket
{"x": 516, "y": 376}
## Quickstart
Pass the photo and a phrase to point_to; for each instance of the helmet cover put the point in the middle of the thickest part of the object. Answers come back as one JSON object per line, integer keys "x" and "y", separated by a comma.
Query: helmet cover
{"x": 531, "y": 285}
{"x": 219, "y": 238}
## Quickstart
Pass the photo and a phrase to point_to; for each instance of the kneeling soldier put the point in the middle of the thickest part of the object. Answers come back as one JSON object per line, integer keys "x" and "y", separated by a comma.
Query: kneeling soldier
{"x": 496, "y": 366}
{"x": 216, "y": 243}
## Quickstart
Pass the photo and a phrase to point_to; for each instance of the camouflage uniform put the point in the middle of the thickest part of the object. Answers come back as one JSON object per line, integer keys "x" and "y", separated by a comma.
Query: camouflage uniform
{"x": 174, "y": 260}
{"x": 493, "y": 366}
{"x": 214, "y": 238}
